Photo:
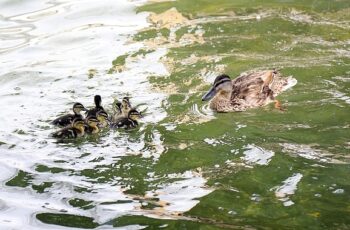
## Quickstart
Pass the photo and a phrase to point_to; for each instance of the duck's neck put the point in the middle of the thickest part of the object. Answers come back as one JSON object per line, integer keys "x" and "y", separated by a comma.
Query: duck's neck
{"x": 221, "y": 99}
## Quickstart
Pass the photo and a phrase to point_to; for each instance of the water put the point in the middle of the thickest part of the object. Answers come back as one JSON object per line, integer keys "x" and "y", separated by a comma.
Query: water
{"x": 185, "y": 166}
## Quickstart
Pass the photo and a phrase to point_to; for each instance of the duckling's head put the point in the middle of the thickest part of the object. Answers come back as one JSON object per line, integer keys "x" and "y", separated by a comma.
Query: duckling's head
{"x": 92, "y": 121}
{"x": 102, "y": 116}
{"x": 117, "y": 106}
{"x": 77, "y": 107}
{"x": 134, "y": 115}
{"x": 98, "y": 101}
{"x": 126, "y": 106}
{"x": 78, "y": 123}
{"x": 222, "y": 84}
{"x": 126, "y": 101}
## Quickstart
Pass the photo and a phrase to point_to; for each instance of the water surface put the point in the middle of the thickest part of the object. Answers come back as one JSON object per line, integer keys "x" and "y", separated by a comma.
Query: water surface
{"x": 185, "y": 166}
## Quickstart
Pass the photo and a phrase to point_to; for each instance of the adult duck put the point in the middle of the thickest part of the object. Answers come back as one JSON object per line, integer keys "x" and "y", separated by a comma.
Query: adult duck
{"x": 249, "y": 90}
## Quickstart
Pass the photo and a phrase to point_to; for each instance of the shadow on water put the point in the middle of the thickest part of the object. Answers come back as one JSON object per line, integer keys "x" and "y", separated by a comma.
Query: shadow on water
{"x": 185, "y": 166}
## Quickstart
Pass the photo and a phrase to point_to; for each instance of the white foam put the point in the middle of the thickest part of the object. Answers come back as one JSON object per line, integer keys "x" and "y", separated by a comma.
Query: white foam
{"x": 212, "y": 141}
{"x": 309, "y": 152}
{"x": 181, "y": 195}
{"x": 257, "y": 155}
{"x": 287, "y": 189}
{"x": 339, "y": 191}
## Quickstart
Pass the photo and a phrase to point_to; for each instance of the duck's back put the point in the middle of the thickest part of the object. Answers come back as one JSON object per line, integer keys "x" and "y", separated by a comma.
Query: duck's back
{"x": 65, "y": 120}
{"x": 125, "y": 123}
{"x": 68, "y": 132}
{"x": 259, "y": 88}
{"x": 249, "y": 89}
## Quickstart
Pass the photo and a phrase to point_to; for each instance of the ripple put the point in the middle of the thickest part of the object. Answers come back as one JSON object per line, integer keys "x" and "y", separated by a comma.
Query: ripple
{"x": 203, "y": 113}
{"x": 310, "y": 152}
{"x": 41, "y": 78}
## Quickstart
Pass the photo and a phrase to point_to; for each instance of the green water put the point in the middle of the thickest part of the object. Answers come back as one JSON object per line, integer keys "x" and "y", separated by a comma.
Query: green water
{"x": 297, "y": 180}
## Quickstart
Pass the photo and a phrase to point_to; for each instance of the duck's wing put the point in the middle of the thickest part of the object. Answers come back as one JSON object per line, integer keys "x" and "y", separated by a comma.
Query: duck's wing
{"x": 253, "y": 88}
{"x": 63, "y": 120}
{"x": 67, "y": 132}
{"x": 120, "y": 123}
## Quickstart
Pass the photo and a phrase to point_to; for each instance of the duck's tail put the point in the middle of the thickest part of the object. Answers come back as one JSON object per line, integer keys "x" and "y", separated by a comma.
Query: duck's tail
{"x": 281, "y": 83}
{"x": 290, "y": 83}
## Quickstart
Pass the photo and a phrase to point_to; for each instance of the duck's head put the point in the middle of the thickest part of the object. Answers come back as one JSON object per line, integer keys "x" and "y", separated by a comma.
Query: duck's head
{"x": 222, "y": 84}
{"x": 126, "y": 106}
{"x": 98, "y": 101}
{"x": 134, "y": 115}
{"x": 102, "y": 116}
{"x": 92, "y": 121}
{"x": 126, "y": 101}
{"x": 78, "y": 123}
{"x": 77, "y": 107}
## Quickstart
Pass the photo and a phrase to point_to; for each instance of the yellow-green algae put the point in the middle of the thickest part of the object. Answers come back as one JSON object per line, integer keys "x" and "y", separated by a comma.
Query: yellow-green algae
{"x": 306, "y": 39}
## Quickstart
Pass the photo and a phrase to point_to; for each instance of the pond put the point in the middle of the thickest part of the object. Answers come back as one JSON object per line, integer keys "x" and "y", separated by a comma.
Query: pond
{"x": 185, "y": 166}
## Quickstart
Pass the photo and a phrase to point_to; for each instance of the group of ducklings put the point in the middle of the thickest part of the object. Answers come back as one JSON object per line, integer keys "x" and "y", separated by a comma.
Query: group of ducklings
{"x": 249, "y": 90}
{"x": 75, "y": 125}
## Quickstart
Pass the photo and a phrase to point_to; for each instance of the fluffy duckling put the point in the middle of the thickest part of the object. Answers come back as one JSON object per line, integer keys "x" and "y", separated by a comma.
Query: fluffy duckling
{"x": 127, "y": 122}
{"x": 92, "y": 125}
{"x": 117, "y": 110}
{"x": 103, "y": 119}
{"x": 76, "y": 129}
{"x": 68, "y": 118}
{"x": 126, "y": 106}
{"x": 98, "y": 106}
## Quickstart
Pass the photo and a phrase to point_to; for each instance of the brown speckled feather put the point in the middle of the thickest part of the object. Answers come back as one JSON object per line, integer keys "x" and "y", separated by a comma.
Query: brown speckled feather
{"x": 250, "y": 90}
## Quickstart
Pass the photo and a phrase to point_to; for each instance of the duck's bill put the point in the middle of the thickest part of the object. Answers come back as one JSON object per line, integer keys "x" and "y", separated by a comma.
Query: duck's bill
{"x": 209, "y": 95}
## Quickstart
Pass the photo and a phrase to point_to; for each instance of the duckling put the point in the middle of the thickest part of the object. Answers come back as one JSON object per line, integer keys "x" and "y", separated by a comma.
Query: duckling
{"x": 103, "y": 119}
{"x": 92, "y": 125}
{"x": 127, "y": 122}
{"x": 117, "y": 110}
{"x": 98, "y": 107}
{"x": 68, "y": 118}
{"x": 126, "y": 106}
{"x": 249, "y": 90}
{"x": 76, "y": 129}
